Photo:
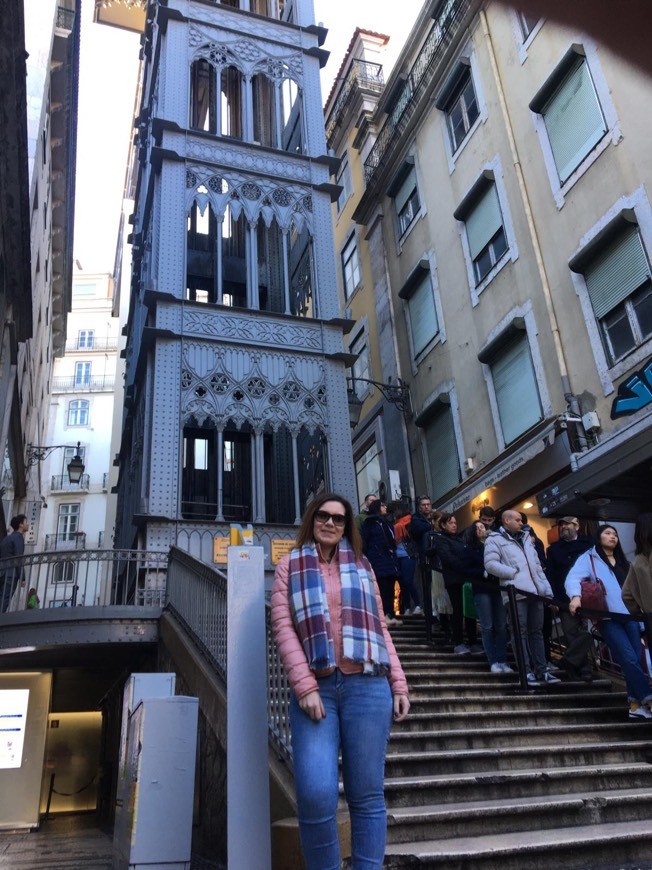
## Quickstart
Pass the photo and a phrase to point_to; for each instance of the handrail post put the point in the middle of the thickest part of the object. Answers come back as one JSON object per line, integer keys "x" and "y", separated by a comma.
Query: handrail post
{"x": 517, "y": 641}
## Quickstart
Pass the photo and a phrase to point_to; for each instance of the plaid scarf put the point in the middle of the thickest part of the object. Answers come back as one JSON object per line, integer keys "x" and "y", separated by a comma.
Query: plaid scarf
{"x": 362, "y": 634}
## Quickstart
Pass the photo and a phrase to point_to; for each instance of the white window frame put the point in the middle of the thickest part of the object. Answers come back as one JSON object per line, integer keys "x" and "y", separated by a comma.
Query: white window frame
{"x": 351, "y": 240}
{"x": 639, "y": 204}
{"x": 78, "y": 412}
{"x": 524, "y": 316}
{"x": 523, "y": 40}
{"x": 64, "y": 517}
{"x": 491, "y": 174}
{"x": 466, "y": 62}
{"x": 344, "y": 179}
{"x": 83, "y": 373}
{"x": 585, "y": 48}
{"x": 86, "y": 339}
{"x": 360, "y": 335}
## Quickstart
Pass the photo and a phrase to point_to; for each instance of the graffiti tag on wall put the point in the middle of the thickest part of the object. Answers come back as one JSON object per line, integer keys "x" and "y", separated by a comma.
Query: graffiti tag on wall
{"x": 634, "y": 393}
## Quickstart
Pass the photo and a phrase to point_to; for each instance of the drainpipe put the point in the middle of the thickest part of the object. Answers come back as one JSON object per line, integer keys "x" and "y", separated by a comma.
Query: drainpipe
{"x": 571, "y": 398}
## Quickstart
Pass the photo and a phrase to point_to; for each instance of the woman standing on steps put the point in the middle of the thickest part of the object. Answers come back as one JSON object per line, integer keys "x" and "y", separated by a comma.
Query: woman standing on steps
{"x": 346, "y": 680}
{"x": 607, "y": 562}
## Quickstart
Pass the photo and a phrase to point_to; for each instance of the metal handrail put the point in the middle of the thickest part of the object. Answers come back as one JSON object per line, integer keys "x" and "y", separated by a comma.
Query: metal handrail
{"x": 84, "y": 577}
{"x": 361, "y": 74}
{"x": 66, "y": 541}
{"x": 278, "y": 697}
{"x": 61, "y": 483}
{"x": 433, "y": 49}
{"x": 91, "y": 345}
{"x": 92, "y": 384}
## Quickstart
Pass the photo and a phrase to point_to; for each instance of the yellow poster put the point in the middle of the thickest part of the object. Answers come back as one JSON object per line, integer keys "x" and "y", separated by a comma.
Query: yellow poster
{"x": 219, "y": 550}
{"x": 279, "y": 548}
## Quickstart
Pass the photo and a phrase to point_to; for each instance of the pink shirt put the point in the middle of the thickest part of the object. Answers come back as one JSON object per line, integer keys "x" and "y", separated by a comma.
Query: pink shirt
{"x": 302, "y": 679}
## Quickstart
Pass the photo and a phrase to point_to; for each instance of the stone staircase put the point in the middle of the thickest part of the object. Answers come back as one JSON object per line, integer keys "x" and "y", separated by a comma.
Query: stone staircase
{"x": 482, "y": 775}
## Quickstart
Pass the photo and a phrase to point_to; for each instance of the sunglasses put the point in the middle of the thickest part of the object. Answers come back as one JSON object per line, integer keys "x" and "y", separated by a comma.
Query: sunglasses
{"x": 322, "y": 517}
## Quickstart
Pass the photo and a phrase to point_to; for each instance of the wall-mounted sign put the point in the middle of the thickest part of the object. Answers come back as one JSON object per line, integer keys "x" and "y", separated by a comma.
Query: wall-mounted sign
{"x": 13, "y": 716}
{"x": 279, "y": 548}
{"x": 633, "y": 394}
{"x": 220, "y": 546}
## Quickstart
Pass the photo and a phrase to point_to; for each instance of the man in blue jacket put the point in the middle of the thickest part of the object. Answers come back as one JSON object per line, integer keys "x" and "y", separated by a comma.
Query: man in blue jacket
{"x": 12, "y": 549}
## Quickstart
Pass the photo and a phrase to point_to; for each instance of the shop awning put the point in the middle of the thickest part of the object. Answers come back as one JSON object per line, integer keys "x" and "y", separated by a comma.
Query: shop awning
{"x": 613, "y": 480}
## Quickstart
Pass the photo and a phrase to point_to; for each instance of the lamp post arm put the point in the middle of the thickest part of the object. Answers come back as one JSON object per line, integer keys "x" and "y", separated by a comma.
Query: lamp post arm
{"x": 397, "y": 394}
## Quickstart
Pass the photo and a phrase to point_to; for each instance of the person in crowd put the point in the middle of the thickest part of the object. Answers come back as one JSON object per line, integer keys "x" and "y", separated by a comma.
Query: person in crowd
{"x": 509, "y": 554}
{"x": 637, "y": 589}
{"x": 364, "y": 512}
{"x": 455, "y": 566}
{"x": 607, "y": 562}
{"x": 441, "y": 603}
{"x": 487, "y": 517}
{"x": 561, "y": 557}
{"x": 420, "y": 524}
{"x": 407, "y": 563}
{"x": 12, "y": 549}
{"x": 346, "y": 681}
{"x": 379, "y": 546}
{"x": 488, "y": 600}
{"x": 33, "y": 601}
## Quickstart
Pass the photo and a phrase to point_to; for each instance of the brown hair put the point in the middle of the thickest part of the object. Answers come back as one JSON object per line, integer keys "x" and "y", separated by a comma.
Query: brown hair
{"x": 444, "y": 518}
{"x": 351, "y": 533}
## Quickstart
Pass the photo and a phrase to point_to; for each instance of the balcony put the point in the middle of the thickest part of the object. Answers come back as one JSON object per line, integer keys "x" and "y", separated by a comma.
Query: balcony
{"x": 65, "y": 18}
{"x": 61, "y": 483}
{"x": 66, "y": 541}
{"x": 96, "y": 384}
{"x": 447, "y": 25}
{"x": 362, "y": 76}
{"x": 91, "y": 345}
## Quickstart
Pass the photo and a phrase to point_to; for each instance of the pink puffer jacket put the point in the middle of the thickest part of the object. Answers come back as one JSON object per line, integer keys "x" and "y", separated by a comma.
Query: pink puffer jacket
{"x": 302, "y": 679}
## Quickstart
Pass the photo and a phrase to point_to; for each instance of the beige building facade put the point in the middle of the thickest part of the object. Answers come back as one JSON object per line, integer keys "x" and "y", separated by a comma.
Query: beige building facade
{"x": 506, "y": 216}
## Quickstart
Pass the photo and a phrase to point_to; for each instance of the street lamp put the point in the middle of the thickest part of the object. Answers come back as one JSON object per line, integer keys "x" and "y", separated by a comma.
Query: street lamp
{"x": 37, "y": 453}
{"x": 397, "y": 394}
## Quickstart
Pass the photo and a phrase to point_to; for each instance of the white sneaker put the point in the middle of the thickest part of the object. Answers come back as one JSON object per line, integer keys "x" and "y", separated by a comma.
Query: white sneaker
{"x": 550, "y": 678}
{"x": 532, "y": 680}
{"x": 417, "y": 611}
{"x": 505, "y": 668}
{"x": 496, "y": 668}
{"x": 461, "y": 650}
{"x": 640, "y": 712}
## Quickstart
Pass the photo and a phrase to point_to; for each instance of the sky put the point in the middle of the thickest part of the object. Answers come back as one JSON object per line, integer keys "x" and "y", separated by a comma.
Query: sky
{"x": 107, "y": 83}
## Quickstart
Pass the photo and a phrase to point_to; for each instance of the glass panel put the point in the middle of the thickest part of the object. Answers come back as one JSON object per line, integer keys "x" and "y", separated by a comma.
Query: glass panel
{"x": 642, "y": 304}
{"x": 528, "y": 23}
{"x": 367, "y": 472}
{"x": 618, "y": 332}
{"x": 406, "y": 190}
{"x": 350, "y": 267}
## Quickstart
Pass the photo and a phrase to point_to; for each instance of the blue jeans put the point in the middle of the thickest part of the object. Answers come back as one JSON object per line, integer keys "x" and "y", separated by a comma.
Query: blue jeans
{"x": 358, "y": 721}
{"x": 409, "y": 591}
{"x": 493, "y": 625}
{"x": 624, "y": 642}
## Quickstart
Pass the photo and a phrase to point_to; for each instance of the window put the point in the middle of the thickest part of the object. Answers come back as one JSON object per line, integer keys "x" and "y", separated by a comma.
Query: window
{"x": 461, "y": 109}
{"x": 68, "y": 454}
{"x": 422, "y": 314}
{"x": 573, "y": 117}
{"x": 485, "y": 233}
{"x": 82, "y": 374}
{"x": 441, "y": 450}
{"x": 77, "y": 415}
{"x": 83, "y": 291}
{"x": 527, "y": 22}
{"x": 344, "y": 180}
{"x": 618, "y": 280}
{"x": 86, "y": 339}
{"x": 515, "y": 387}
{"x": 361, "y": 367}
{"x": 63, "y": 572}
{"x": 406, "y": 199}
{"x": 68, "y": 521}
{"x": 350, "y": 267}
{"x": 368, "y": 472}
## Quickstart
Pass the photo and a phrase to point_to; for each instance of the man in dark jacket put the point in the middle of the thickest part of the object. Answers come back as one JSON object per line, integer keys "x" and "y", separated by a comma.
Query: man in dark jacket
{"x": 561, "y": 557}
{"x": 12, "y": 548}
{"x": 420, "y": 525}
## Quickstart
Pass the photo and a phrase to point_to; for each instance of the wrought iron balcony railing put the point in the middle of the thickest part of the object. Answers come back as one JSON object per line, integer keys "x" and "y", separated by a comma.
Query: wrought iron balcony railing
{"x": 65, "y": 18}
{"x": 362, "y": 75}
{"x": 94, "y": 384}
{"x": 66, "y": 541}
{"x": 445, "y": 27}
{"x": 91, "y": 345}
{"x": 61, "y": 483}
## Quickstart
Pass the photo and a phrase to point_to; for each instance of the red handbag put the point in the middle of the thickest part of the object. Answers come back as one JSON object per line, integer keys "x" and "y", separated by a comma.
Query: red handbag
{"x": 593, "y": 593}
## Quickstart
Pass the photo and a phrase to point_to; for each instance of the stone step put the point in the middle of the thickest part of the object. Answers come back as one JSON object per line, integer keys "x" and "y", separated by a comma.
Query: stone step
{"x": 541, "y": 734}
{"x": 424, "y": 702}
{"x": 507, "y": 688}
{"x": 509, "y": 757}
{"x": 497, "y": 719}
{"x": 586, "y": 846}
{"x": 476, "y": 818}
{"x": 506, "y": 785}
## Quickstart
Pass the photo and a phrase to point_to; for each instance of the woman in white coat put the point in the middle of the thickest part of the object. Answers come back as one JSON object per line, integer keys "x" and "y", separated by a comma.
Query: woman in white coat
{"x": 607, "y": 562}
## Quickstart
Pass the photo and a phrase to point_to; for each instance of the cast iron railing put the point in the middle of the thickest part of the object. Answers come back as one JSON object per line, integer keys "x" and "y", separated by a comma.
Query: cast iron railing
{"x": 61, "y": 483}
{"x": 362, "y": 75}
{"x": 94, "y": 384}
{"x": 91, "y": 345}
